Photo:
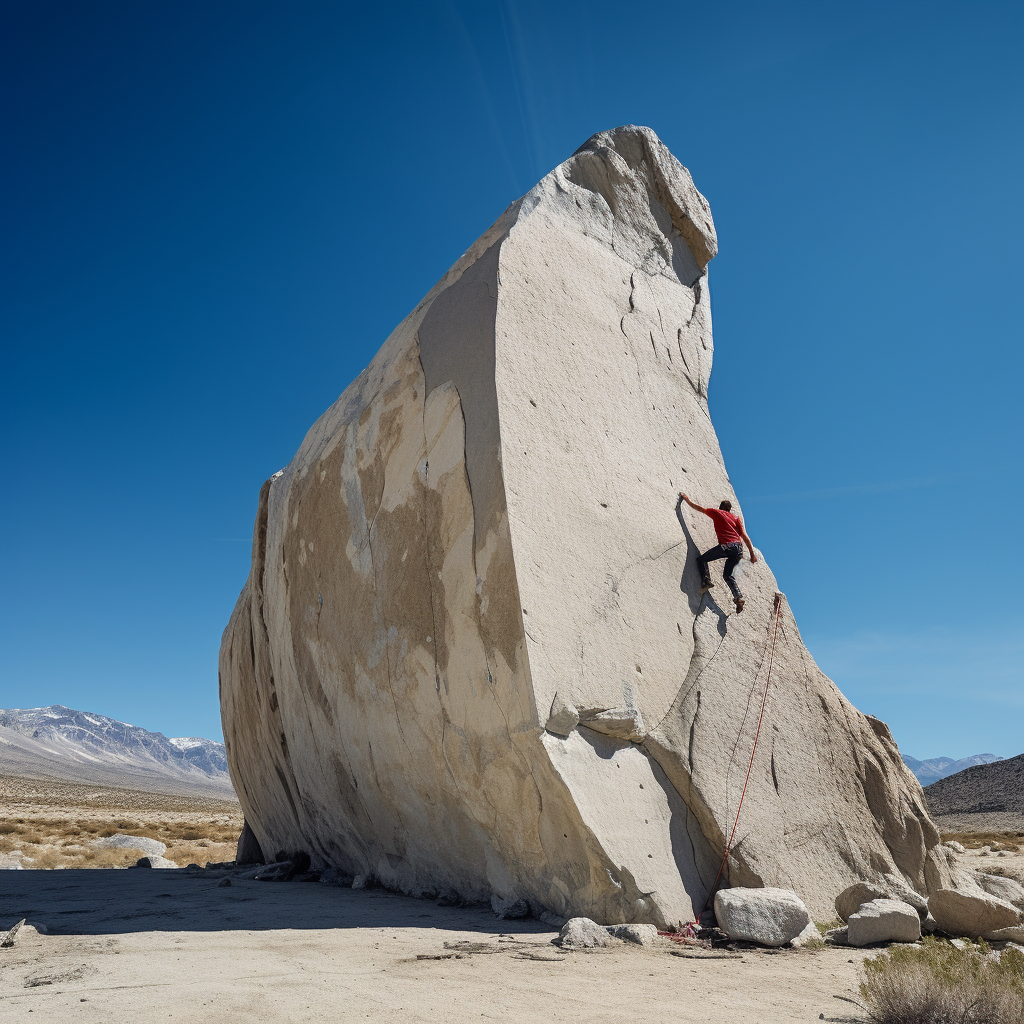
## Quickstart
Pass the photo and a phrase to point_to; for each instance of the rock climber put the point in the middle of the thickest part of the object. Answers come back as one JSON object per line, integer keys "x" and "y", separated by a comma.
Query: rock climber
{"x": 731, "y": 538}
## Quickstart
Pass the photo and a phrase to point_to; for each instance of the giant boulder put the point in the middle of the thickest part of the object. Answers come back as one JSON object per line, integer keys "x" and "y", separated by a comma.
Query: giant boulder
{"x": 472, "y": 653}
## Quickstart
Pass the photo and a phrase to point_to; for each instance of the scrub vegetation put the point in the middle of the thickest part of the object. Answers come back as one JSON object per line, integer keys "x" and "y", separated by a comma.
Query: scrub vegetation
{"x": 937, "y": 982}
{"x": 44, "y": 825}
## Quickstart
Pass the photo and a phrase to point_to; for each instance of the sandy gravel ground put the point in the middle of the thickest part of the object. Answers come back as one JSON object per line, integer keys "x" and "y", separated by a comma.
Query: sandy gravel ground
{"x": 175, "y": 945}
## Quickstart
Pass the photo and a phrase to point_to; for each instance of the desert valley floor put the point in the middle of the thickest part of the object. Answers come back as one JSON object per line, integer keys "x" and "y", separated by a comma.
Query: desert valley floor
{"x": 166, "y": 945}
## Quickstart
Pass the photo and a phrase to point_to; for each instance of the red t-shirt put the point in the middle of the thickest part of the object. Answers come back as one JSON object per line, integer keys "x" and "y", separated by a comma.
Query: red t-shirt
{"x": 727, "y": 526}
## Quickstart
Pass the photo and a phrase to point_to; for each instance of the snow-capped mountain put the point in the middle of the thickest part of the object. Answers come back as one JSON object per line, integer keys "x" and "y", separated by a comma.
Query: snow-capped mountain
{"x": 937, "y": 768}
{"x": 76, "y": 746}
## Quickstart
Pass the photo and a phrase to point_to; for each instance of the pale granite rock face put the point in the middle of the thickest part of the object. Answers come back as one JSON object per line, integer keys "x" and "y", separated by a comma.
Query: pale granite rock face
{"x": 472, "y": 653}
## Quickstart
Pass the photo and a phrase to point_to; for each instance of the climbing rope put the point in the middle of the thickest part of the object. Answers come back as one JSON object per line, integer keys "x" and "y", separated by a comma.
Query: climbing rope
{"x": 689, "y": 929}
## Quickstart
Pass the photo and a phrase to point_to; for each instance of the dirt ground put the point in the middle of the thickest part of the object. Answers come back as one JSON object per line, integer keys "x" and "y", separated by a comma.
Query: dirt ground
{"x": 47, "y": 824}
{"x": 176, "y": 945}
{"x": 116, "y": 945}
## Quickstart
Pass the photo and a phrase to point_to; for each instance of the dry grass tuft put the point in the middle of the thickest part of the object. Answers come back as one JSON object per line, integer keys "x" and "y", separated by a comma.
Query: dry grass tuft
{"x": 80, "y": 857}
{"x": 200, "y": 853}
{"x": 1011, "y": 842}
{"x": 937, "y": 983}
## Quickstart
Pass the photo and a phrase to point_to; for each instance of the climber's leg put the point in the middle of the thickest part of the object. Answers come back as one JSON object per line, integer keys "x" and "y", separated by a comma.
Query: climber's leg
{"x": 702, "y": 564}
{"x": 734, "y": 552}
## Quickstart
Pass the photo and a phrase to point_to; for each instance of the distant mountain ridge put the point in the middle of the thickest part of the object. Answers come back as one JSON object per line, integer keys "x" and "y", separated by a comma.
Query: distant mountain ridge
{"x": 985, "y": 788}
{"x": 937, "y": 768}
{"x": 77, "y": 746}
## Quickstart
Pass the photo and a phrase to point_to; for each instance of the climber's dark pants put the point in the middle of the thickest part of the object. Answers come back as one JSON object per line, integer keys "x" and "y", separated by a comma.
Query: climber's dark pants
{"x": 732, "y": 553}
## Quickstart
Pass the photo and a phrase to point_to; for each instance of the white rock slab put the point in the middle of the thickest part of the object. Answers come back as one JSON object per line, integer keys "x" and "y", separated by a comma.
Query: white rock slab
{"x": 883, "y": 920}
{"x": 971, "y": 914}
{"x": 769, "y": 916}
{"x": 146, "y": 846}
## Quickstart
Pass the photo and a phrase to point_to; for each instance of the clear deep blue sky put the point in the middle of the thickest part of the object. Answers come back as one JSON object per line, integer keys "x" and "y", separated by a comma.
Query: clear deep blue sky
{"x": 215, "y": 213}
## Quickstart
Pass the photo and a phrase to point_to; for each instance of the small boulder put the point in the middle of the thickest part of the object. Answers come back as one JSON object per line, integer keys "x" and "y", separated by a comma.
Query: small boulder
{"x": 563, "y": 718}
{"x": 769, "y": 917}
{"x": 838, "y": 936}
{"x": 883, "y": 920}
{"x": 279, "y": 871}
{"x": 582, "y": 933}
{"x": 511, "y": 907}
{"x": 154, "y": 861}
{"x": 11, "y": 936}
{"x": 971, "y": 914}
{"x": 1003, "y": 888}
{"x": 809, "y": 934}
{"x": 955, "y": 846}
{"x": 641, "y": 934}
{"x": 145, "y": 845}
{"x": 1015, "y": 934}
{"x": 850, "y": 900}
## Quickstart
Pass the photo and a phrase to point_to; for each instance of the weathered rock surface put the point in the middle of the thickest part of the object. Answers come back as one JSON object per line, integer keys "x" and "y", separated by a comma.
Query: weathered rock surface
{"x": 883, "y": 920}
{"x": 769, "y": 917}
{"x": 850, "y": 900}
{"x": 971, "y": 914}
{"x": 582, "y": 933}
{"x": 472, "y": 652}
{"x": 1002, "y": 888}
{"x": 154, "y": 860}
{"x": 638, "y": 934}
{"x": 150, "y": 847}
{"x": 248, "y": 850}
{"x": 809, "y": 934}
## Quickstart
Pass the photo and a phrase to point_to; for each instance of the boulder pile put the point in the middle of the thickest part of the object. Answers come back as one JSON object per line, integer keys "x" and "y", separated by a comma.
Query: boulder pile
{"x": 882, "y": 913}
{"x": 473, "y": 655}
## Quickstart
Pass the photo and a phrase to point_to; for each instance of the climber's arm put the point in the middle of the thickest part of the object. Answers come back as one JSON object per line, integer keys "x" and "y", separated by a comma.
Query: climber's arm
{"x": 693, "y": 504}
{"x": 747, "y": 541}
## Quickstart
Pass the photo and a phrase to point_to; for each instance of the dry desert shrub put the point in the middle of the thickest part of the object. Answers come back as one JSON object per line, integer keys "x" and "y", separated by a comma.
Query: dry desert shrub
{"x": 83, "y": 857}
{"x": 938, "y": 983}
{"x": 202, "y": 853}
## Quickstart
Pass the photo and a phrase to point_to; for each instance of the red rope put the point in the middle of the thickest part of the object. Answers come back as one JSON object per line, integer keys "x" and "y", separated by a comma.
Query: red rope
{"x": 746, "y": 782}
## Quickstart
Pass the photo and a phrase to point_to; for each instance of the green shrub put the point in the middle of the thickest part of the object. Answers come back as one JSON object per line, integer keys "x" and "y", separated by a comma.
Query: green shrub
{"x": 937, "y": 983}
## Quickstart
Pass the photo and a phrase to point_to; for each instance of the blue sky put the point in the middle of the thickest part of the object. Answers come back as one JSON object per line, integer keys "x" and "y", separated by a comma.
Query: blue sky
{"x": 215, "y": 213}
